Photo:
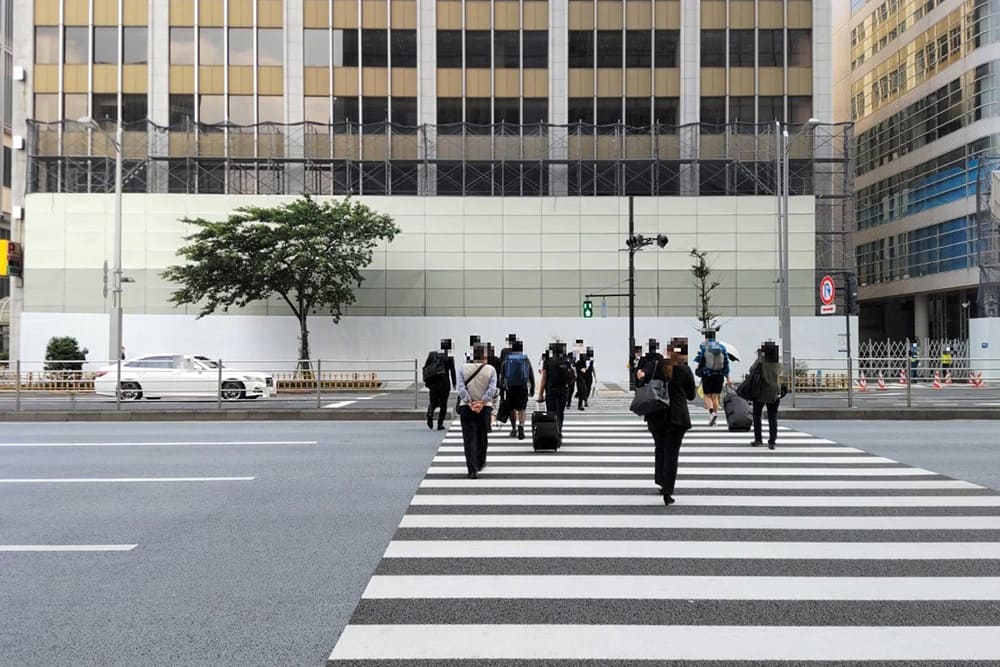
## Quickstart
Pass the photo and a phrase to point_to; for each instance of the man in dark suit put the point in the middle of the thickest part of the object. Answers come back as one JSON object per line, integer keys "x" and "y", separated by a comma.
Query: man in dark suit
{"x": 439, "y": 381}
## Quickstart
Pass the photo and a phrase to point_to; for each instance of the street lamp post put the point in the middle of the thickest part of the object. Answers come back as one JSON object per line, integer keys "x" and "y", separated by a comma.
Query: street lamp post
{"x": 635, "y": 243}
{"x": 115, "y": 337}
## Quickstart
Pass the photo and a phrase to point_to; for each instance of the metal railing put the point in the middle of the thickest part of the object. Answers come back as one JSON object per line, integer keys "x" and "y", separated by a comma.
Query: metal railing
{"x": 157, "y": 381}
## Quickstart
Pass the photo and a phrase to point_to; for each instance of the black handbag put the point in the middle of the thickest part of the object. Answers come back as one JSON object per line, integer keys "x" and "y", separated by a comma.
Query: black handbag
{"x": 749, "y": 387}
{"x": 649, "y": 398}
{"x": 503, "y": 411}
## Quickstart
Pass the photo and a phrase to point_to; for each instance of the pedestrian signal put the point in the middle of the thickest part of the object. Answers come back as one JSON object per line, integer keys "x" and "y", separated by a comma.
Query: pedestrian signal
{"x": 588, "y": 308}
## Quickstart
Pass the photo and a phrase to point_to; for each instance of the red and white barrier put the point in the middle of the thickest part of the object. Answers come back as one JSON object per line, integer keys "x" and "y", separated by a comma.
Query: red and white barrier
{"x": 937, "y": 381}
{"x": 947, "y": 377}
{"x": 902, "y": 377}
{"x": 862, "y": 382}
{"x": 976, "y": 379}
{"x": 881, "y": 382}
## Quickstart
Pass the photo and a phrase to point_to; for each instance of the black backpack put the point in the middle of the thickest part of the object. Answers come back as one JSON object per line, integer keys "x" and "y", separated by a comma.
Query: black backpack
{"x": 561, "y": 373}
{"x": 434, "y": 369}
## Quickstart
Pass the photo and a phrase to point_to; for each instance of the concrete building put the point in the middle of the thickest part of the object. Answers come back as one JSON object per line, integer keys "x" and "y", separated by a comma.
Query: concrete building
{"x": 920, "y": 80}
{"x": 504, "y": 136}
{"x": 6, "y": 117}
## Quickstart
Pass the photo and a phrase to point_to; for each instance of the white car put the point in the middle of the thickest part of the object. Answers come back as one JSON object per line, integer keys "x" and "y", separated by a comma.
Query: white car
{"x": 180, "y": 375}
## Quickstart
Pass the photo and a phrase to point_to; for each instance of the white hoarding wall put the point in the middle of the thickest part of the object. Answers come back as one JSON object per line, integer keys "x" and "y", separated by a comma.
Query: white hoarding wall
{"x": 984, "y": 347}
{"x": 272, "y": 339}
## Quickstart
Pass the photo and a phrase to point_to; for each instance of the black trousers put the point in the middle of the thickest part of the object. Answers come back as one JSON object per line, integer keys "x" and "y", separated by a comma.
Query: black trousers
{"x": 582, "y": 390}
{"x": 772, "y": 421}
{"x": 556, "y": 401}
{"x": 475, "y": 432}
{"x": 667, "y": 439}
{"x": 438, "y": 400}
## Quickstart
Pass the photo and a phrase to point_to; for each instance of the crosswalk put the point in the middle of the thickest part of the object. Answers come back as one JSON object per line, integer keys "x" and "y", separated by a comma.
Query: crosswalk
{"x": 812, "y": 553}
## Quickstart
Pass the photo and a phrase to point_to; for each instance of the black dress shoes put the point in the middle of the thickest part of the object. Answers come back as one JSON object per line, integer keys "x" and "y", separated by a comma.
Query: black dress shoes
{"x": 430, "y": 422}
{"x": 668, "y": 500}
{"x": 756, "y": 443}
{"x": 770, "y": 445}
{"x": 441, "y": 427}
{"x": 473, "y": 475}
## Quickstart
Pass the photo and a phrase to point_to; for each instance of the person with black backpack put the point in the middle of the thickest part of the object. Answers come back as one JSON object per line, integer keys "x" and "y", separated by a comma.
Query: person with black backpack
{"x": 557, "y": 377}
{"x": 517, "y": 377}
{"x": 583, "y": 366}
{"x": 439, "y": 378}
{"x": 712, "y": 366}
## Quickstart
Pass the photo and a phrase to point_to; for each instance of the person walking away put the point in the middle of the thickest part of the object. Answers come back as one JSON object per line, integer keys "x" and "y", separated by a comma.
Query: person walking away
{"x": 578, "y": 351}
{"x": 503, "y": 364}
{"x": 493, "y": 360}
{"x": 519, "y": 380}
{"x": 583, "y": 368}
{"x": 668, "y": 426}
{"x": 477, "y": 387}
{"x": 439, "y": 378}
{"x": 946, "y": 360}
{"x": 767, "y": 393}
{"x": 712, "y": 366}
{"x": 557, "y": 377}
{"x": 914, "y": 361}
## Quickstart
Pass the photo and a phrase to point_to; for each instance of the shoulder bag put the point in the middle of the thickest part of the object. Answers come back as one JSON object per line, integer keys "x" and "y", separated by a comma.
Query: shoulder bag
{"x": 649, "y": 398}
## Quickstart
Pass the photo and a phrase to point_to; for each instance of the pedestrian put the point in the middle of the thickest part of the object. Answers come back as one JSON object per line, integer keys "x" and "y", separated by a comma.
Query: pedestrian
{"x": 583, "y": 367}
{"x": 712, "y": 366}
{"x": 946, "y": 359}
{"x": 557, "y": 377}
{"x": 578, "y": 351}
{"x": 767, "y": 392}
{"x": 439, "y": 378}
{"x": 668, "y": 426}
{"x": 592, "y": 377}
{"x": 914, "y": 361}
{"x": 636, "y": 362}
{"x": 493, "y": 360}
{"x": 518, "y": 377}
{"x": 470, "y": 353}
{"x": 477, "y": 387}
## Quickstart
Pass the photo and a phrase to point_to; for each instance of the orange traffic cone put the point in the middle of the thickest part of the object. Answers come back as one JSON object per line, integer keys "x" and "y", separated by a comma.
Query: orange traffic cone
{"x": 937, "y": 381}
{"x": 947, "y": 377}
{"x": 862, "y": 382}
{"x": 881, "y": 382}
{"x": 902, "y": 377}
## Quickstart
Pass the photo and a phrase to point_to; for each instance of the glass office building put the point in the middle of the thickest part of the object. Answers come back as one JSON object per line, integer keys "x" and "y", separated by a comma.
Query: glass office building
{"x": 920, "y": 80}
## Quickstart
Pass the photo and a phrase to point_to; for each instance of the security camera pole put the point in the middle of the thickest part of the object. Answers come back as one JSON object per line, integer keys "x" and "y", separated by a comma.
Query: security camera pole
{"x": 635, "y": 243}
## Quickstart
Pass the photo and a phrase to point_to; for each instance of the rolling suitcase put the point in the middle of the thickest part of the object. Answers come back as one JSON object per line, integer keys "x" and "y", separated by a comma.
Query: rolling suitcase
{"x": 739, "y": 413}
{"x": 545, "y": 434}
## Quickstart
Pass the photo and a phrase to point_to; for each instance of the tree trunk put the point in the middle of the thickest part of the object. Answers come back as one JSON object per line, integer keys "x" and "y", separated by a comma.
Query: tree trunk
{"x": 304, "y": 341}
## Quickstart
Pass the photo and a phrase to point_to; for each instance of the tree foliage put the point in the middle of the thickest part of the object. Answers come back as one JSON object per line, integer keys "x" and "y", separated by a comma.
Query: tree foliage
{"x": 311, "y": 254}
{"x": 63, "y": 353}
{"x": 701, "y": 270}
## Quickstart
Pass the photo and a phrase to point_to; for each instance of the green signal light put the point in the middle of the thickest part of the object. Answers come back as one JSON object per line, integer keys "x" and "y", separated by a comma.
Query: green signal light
{"x": 588, "y": 308}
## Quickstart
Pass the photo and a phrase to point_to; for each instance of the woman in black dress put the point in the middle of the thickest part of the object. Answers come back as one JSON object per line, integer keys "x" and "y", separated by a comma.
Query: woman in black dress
{"x": 669, "y": 426}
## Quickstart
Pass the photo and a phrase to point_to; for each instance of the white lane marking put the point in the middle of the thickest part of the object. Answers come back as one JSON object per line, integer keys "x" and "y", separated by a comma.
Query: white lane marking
{"x": 646, "y": 449}
{"x": 700, "y": 521}
{"x": 704, "y": 549}
{"x": 38, "y": 548}
{"x": 368, "y": 398}
{"x": 694, "y": 484}
{"x": 577, "y": 500}
{"x": 685, "y": 471}
{"x": 639, "y": 587}
{"x": 339, "y": 404}
{"x": 666, "y": 643}
{"x": 193, "y": 443}
{"x": 763, "y": 459}
{"x": 119, "y": 480}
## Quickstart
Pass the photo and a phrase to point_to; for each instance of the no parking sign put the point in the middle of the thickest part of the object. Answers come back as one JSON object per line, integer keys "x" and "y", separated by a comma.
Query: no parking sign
{"x": 827, "y": 293}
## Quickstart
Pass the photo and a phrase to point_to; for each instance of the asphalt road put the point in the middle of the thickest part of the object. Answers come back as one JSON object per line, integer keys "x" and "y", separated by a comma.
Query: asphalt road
{"x": 256, "y": 572}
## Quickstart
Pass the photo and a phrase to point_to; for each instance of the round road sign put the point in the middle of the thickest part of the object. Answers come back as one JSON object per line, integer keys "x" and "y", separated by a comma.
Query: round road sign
{"x": 826, "y": 290}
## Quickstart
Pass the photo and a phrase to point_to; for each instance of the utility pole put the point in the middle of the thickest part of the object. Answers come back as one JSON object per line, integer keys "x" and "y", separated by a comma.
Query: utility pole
{"x": 631, "y": 293}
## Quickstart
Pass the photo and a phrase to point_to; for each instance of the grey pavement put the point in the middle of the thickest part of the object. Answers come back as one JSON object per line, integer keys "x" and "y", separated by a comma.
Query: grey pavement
{"x": 259, "y": 572}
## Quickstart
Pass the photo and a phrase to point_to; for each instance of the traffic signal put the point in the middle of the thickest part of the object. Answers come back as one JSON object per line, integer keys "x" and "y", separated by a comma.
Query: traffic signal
{"x": 588, "y": 308}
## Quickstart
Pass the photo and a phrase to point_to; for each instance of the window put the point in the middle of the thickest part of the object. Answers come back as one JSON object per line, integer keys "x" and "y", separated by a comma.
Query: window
{"x": 374, "y": 48}
{"x": 46, "y": 107}
{"x": 536, "y": 48}
{"x": 6, "y": 167}
{"x": 210, "y": 46}
{"x": 665, "y": 111}
{"x": 374, "y": 110}
{"x": 713, "y": 114}
{"x": 771, "y": 109}
{"x": 270, "y": 109}
{"x": 637, "y": 111}
{"x": 713, "y": 48}
{"x": 404, "y": 113}
{"x": 581, "y": 48}
{"x": 270, "y": 47}
{"x": 182, "y": 46}
{"x": 800, "y": 109}
{"x": 105, "y": 108}
{"x": 507, "y": 48}
{"x": 609, "y": 48}
{"x": 477, "y": 111}
{"x": 741, "y": 48}
{"x": 316, "y": 48}
{"x": 240, "y": 46}
{"x": 507, "y": 110}
{"x": 477, "y": 48}
{"x": 211, "y": 109}
{"x": 75, "y": 46}
{"x": 47, "y": 45}
{"x": 800, "y": 48}
{"x": 317, "y": 110}
{"x": 345, "y": 48}
{"x": 771, "y": 48}
{"x": 536, "y": 111}
{"x": 346, "y": 110}
{"x": 667, "y": 42}
{"x": 134, "y": 108}
{"x": 741, "y": 110}
{"x": 609, "y": 110}
{"x": 638, "y": 48}
{"x": 241, "y": 108}
{"x": 134, "y": 45}
{"x": 404, "y": 48}
{"x": 75, "y": 105}
{"x": 581, "y": 110}
{"x": 449, "y": 48}
{"x": 449, "y": 112}
{"x": 181, "y": 110}
{"x": 105, "y": 46}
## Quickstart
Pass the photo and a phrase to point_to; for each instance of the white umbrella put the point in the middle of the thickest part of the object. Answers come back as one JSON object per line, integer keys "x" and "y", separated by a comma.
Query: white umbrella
{"x": 734, "y": 354}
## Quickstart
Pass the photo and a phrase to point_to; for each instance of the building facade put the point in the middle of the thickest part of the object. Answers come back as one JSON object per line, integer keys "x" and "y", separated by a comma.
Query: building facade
{"x": 920, "y": 80}
{"x": 540, "y": 116}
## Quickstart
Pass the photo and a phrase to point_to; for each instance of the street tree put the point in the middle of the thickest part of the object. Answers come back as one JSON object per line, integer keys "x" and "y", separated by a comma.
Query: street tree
{"x": 311, "y": 254}
{"x": 701, "y": 271}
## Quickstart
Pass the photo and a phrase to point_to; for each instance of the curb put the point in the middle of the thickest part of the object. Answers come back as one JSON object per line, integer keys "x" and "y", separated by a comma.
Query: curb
{"x": 212, "y": 415}
{"x": 885, "y": 414}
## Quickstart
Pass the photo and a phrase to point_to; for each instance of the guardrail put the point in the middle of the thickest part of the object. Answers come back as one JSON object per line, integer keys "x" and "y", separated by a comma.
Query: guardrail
{"x": 200, "y": 379}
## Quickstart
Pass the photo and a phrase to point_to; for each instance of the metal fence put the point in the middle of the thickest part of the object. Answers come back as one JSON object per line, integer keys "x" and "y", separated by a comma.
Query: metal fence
{"x": 176, "y": 382}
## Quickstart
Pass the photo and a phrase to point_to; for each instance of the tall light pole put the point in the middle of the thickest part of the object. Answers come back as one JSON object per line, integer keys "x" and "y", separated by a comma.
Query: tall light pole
{"x": 115, "y": 337}
{"x": 783, "y": 146}
{"x": 635, "y": 243}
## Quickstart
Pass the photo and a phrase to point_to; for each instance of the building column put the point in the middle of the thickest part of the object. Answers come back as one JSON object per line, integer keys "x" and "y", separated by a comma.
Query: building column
{"x": 690, "y": 109}
{"x": 921, "y": 319}
{"x": 558, "y": 95}
{"x": 427, "y": 95}
{"x": 295, "y": 149}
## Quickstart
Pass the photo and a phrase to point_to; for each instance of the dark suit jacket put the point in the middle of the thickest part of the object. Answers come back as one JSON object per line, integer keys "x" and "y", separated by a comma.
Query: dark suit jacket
{"x": 680, "y": 390}
{"x": 449, "y": 364}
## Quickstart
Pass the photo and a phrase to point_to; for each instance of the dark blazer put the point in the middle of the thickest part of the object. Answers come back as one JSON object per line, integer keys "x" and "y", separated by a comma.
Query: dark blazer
{"x": 449, "y": 364}
{"x": 680, "y": 390}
